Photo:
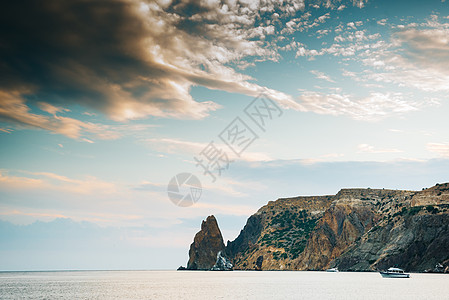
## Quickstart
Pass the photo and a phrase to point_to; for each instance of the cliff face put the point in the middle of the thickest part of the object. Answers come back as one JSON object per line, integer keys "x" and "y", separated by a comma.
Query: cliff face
{"x": 356, "y": 229}
{"x": 352, "y": 214}
{"x": 206, "y": 246}
{"x": 438, "y": 194}
{"x": 412, "y": 236}
{"x": 415, "y": 242}
{"x": 276, "y": 235}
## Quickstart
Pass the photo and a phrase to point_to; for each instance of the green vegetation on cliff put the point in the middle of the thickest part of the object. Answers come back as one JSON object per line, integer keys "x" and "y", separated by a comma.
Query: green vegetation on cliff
{"x": 356, "y": 229}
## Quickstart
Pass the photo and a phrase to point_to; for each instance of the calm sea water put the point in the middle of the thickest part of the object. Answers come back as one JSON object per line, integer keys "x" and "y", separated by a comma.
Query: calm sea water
{"x": 218, "y": 285}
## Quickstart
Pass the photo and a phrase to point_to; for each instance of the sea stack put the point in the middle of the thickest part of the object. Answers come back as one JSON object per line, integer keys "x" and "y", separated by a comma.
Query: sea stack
{"x": 206, "y": 246}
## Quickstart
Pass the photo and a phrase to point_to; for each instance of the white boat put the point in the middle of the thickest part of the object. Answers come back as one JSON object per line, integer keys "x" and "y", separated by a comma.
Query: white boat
{"x": 332, "y": 270}
{"x": 394, "y": 273}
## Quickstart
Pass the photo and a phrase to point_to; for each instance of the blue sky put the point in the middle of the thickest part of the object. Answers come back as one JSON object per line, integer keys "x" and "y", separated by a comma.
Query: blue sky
{"x": 102, "y": 104}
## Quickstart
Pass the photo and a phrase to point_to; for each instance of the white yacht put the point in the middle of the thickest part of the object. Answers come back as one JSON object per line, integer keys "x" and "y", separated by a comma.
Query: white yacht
{"x": 394, "y": 273}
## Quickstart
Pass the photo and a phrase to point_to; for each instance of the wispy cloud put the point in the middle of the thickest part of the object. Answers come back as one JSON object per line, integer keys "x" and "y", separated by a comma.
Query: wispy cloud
{"x": 321, "y": 75}
{"x": 51, "y": 181}
{"x": 112, "y": 203}
{"x": 14, "y": 109}
{"x": 16, "y": 212}
{"x": 442, "y": 149}
{"x": 7, "y": 130}
{"x": 348, "y": 43}
{"x": 366, "y": 148}
{"x": 372, "y": 108}
{"x": 182, "y": 147}
{"x": 416, "y": 57}
{"x": 382, "y": 22}
{"x": 228, "y": 209}
{"x": 359, "y": 3}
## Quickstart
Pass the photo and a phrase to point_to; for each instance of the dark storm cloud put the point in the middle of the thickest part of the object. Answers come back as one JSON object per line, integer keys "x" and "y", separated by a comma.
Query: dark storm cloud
{"x": 89, "y": 52}
{"x": 133, "y": 58}
{"x": 48, "y": 43}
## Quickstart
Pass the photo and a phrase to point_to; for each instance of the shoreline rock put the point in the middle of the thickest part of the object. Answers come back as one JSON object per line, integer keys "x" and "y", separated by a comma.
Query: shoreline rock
{"x": 207, "y": 244}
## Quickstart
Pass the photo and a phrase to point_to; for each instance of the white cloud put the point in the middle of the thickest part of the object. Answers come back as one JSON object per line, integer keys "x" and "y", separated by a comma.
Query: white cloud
{"x": 372, "y": 108}
{"x": 181, "y": 147}
{"x": 46, "y": 181}
{"x": 347, "y": 44}
{"x": 322, "y": 32}
{"x": 417, "y": 57}
{"x": 29, "y": 196}
{"x": 359, "y": 3}
{"x": 226, "y": 209}
{"x": 442, "y": 149}
{"x": 351, "y": 25}
{"x": 382, "y": 22}
{"x": 51, "y": 109}
{"x": 6, "y": 130}
{"x": 366, "y": 148}
{"x": 14, "y": 110}
{"x": 321, "y": 75}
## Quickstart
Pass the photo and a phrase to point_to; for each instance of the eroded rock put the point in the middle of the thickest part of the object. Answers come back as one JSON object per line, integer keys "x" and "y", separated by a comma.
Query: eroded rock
{"x": 208, "y": 242}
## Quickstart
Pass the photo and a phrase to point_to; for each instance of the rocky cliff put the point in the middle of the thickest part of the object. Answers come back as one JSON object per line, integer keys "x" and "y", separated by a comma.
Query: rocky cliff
{"x": 276, "y": 235}
{"x": 351, "y": 215}
{"x": 356, "y": 229}
{"x": 206, "y": 246}
{"x": 412, "y": 233}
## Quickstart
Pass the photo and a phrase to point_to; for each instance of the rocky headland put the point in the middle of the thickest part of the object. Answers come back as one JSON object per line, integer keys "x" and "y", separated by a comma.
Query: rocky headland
{"x": 354, "y": 230}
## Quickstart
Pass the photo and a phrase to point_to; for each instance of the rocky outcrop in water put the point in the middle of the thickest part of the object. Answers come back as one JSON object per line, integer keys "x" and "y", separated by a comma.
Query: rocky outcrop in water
{"x": 208, "y": 242}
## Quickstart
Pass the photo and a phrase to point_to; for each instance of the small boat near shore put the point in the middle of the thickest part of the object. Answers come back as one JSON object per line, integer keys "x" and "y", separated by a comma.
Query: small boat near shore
{"x": 394, "y": 273}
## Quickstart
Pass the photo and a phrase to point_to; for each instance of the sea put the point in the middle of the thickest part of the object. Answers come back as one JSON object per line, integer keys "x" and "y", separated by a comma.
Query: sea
{"x": 219, "y": 285}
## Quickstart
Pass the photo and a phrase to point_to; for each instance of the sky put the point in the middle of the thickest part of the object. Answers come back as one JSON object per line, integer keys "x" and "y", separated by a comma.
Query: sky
{"x": 103, "y": 103}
